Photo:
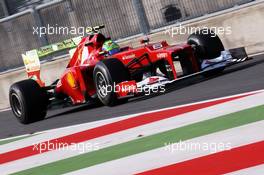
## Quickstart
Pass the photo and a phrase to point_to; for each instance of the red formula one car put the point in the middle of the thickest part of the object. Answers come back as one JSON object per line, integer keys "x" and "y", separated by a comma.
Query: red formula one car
{"x": 100, "y": 70}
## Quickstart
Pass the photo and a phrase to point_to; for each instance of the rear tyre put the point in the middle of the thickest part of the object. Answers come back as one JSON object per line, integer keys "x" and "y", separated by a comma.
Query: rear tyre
{"x": 28, "y": 101}
{"x": 207, "y": 46}
{"x": 106, "y": 75}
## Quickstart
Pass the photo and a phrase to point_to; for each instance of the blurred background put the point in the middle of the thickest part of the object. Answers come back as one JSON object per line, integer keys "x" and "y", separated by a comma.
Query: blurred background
{"x": 122, "y": 18}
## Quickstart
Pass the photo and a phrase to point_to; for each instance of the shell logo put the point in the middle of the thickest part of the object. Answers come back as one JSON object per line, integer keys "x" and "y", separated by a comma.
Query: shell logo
{"x": 71, "y": 80}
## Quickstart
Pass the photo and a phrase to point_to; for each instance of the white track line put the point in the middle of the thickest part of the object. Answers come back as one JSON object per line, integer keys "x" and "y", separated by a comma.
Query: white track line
{"x": 146, "y": 130}
{"x": 17, "y": 137}
{"x": 161, "y": 157}
{"x": 256, "y": 170}
{"x": 4, "y": 110}
{"x": 256, "y": 54}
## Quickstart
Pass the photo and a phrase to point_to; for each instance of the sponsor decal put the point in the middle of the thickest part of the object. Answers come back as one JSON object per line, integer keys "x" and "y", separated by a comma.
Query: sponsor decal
{"x": 31, "y": 61}
{"x": 153, "y": 80}
{"x": 71, "y": 80}
{"x": 127, "y": 57}
{"x": 162, "y": 55}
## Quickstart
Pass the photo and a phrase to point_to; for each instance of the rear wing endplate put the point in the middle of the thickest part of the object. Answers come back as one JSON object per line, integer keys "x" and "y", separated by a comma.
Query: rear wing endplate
{"x": 32, "y": 64}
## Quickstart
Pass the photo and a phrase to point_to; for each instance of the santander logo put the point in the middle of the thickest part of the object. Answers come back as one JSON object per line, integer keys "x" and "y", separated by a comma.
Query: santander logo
{"x": 127, "y": 57}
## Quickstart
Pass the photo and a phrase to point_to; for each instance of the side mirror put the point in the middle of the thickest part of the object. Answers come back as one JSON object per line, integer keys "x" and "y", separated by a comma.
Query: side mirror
{"x": 145, "y": 40}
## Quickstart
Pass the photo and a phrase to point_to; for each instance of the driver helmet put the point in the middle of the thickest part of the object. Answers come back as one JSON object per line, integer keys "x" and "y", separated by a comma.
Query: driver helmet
{"x": 111, "y": 47}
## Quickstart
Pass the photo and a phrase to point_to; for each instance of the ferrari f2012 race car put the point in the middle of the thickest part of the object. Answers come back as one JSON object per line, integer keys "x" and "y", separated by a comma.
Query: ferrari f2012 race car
{"x": 99, "y": 70}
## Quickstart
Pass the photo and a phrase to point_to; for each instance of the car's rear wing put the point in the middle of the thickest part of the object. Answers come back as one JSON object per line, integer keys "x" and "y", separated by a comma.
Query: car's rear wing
{"x": 33, "y": 58}
{"x": 32, "y": 64}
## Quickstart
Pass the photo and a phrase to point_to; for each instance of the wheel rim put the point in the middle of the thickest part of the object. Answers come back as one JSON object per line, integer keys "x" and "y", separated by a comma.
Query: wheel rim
{"x": 16, "y": 105}
{"x": 101, "y": 85}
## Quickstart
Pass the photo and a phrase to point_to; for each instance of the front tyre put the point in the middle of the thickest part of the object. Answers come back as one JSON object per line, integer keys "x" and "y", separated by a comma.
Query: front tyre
{"x": 106, "y": 75}
{"x": 28, "y": 101}
{"x": 207, "y": 45}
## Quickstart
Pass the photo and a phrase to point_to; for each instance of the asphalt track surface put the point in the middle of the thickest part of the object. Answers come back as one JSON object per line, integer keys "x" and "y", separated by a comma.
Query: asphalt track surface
{"x": 240, "y": 78}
